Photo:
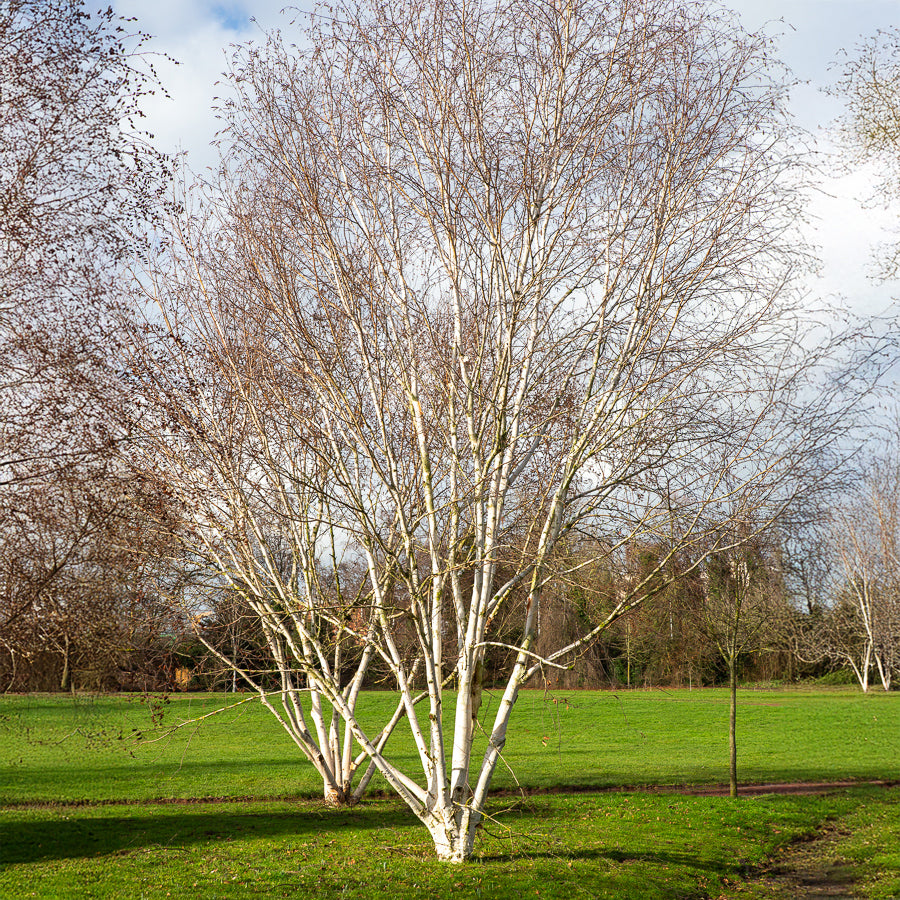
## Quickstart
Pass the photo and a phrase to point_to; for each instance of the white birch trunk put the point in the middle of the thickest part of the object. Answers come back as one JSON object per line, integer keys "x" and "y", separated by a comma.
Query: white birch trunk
{"x": 472, "y": 294}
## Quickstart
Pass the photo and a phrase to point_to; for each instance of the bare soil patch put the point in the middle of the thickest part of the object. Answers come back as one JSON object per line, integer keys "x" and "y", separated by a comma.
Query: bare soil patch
{"x": 712, "y": 790}
{"x": 706, "y": 790}
{"x": 811, "y": 868}
{"x": 781, "y": 787}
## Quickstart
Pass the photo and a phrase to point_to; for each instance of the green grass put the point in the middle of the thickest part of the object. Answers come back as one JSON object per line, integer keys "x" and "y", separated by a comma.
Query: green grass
{"x": 558, "y": 846}
{"x": 83, "y": 748}
{"x": 873, "y": 847}
{"x": 58, "y": 752}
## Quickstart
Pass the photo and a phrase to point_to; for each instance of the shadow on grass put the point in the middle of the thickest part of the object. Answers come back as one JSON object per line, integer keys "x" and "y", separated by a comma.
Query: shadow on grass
{"x": 601, "y": 854}
{"x": 72, "y": 834}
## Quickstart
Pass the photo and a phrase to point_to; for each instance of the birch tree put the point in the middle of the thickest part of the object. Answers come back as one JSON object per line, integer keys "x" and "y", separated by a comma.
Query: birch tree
{"x": 870, "y": 85}
{"x": 863, "y": 629}
{"x": 473, "y": 279}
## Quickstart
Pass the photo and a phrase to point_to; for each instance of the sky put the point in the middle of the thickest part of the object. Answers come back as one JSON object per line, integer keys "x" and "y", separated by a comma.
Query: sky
{"x": 811, "y": 34}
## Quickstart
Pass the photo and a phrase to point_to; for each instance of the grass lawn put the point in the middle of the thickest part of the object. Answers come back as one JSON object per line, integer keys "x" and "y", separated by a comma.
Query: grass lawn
{"x": 554, "y": 846}
{"x": 872, "y": 846}
{"x": 57, "y": 752}
{"x": 83, "y": 748}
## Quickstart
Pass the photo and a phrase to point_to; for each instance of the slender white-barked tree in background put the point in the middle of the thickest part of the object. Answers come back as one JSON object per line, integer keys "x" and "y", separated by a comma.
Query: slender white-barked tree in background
{"x": 475, "y": 280}
{"x": 862, "y": 628}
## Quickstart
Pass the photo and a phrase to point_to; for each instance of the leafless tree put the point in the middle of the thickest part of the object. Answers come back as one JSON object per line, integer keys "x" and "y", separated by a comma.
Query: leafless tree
{"x": 80, "y": 604}
{"x": 741, "y": 607}
{"x": 474, "y": 279}
{"x": 79, "y": 187}
{"x": 78, "y": 184}
{"x": 870, "y": 83}
{"x": 844, "y": 571}
{"x": 863, "y": 628}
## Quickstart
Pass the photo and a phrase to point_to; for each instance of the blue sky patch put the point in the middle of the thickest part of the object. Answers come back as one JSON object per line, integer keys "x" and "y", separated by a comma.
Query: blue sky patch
{"x": 233, "y": 16}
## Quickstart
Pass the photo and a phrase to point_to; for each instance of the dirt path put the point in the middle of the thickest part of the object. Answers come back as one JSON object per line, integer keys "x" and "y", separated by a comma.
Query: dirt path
{"x": 811, "y": 868}
{"x": 703, "y": 790}
{"x": 694, "y": 790}
{"x": 795, "y": 787}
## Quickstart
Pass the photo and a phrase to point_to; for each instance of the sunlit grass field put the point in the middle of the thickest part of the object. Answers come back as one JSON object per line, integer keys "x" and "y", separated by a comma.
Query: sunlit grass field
{"x": 275, "y": 839}
{"x": 74, "y": 748}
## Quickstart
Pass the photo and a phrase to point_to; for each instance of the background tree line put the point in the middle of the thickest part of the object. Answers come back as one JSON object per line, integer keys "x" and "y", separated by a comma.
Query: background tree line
{"x": 113, "y": 630}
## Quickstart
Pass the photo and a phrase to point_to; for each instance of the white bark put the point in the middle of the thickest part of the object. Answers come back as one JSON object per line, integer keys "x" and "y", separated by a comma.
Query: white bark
{"x": 864, "y": 626}
{"x": 481, "y": 278}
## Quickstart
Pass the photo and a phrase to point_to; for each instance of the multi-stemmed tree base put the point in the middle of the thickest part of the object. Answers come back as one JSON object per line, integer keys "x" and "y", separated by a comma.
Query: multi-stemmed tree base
{"x": 453, "y": 842}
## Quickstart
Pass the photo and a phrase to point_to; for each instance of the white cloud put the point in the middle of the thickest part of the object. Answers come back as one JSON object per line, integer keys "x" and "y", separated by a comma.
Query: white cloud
{"x": 812, "y": 32}
{"x": 198, "y": 35}
{"x": 848, "y": 230}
